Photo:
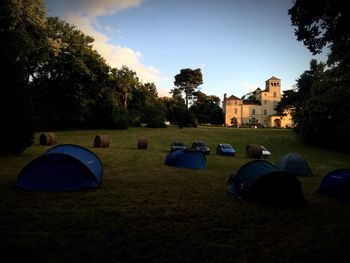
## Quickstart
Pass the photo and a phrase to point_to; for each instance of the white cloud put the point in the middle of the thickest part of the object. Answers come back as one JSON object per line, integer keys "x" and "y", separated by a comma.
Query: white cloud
{"x": 93, "y": 8}
{"x": 83, "y": 14}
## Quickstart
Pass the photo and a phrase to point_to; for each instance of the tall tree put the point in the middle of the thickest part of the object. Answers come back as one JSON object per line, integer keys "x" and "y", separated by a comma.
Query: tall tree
{"x": 207, "y": 109}
{"x": 294, "y": 100}
{"x": 188, "y": 81}
{"x": 73, "y": 76}
{"x": 123, "y": 81}
{"x": 22, "y": 48}
{"x": 321, "y": 100}
{"x": 146, "y": 107}
{"x": 323, "y": 23}
{"x": 175, "y": 106}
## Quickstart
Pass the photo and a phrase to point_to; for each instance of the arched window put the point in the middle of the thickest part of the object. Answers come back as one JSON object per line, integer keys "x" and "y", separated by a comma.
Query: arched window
{"x": 277, "y": 123}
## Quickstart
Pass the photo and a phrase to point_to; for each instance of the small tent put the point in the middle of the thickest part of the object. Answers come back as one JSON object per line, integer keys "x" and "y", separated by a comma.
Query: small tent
{"x": 261, "y": 182}
{"x": 65, "y": 167}
{"x": 336, "y": 184}
{"x": 294, "y": 163}
{"x": 188, "y": 158}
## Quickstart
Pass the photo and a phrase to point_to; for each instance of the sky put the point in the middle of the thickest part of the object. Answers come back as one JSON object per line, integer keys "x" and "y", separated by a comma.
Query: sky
{"x": 237, "y": 44}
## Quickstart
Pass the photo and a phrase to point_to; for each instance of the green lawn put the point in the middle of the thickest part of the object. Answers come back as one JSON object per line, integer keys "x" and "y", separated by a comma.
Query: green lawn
{"x": 145, "y": 211}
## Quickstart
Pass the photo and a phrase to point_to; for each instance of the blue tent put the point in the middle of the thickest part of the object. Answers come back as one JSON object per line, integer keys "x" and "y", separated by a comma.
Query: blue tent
{"x": 192, "y": 159}
{"x": 294, "y": 163}
{"x": 261, "y": 182}
{"x": 336, "y": 184}
{"x": 66, "y": 167}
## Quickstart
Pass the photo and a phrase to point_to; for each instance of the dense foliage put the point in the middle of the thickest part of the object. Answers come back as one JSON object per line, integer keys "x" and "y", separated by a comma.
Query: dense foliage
{"x": 187, "y": 81}
{"x": 207, "y": 109}
{"x": 323, "y": 24}
{"x": 22, "y": 48}
{"x": 52, "y": 78}
{"x": 319, "y": 102}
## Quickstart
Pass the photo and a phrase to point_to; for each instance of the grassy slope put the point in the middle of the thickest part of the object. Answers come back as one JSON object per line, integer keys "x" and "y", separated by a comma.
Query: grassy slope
{"x": 146, "y": 211}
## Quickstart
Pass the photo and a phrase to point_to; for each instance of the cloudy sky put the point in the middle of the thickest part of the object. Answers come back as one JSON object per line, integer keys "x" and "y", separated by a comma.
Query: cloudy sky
{"x": 237, "y": 44}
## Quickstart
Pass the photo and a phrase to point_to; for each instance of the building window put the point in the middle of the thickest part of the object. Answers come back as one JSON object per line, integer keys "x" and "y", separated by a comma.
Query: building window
{"x": 253, "y": 111}
{"x": 235, "y": 102}
{"x": 274, "y": 94}
{"x": 265, "y": 112}
{"x": 236, "y": 111}
{"x": 265, "y": 101}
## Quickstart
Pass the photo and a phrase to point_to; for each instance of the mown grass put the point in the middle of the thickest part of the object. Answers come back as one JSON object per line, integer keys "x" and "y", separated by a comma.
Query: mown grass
{"x": 145, "y": 211}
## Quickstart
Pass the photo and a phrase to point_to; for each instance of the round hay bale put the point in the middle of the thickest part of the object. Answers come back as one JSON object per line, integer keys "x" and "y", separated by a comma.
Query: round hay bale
{"x": 47, "y": 139}
{"x": 253, "y": 151}
{"x": 142, "y": 143}
{"x": 101, "y": 141}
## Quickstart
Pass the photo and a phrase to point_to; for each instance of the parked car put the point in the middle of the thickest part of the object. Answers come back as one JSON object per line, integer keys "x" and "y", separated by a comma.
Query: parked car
{"x": 201, "y": 146}
{"x": 264, "y": 152}
{"x": 177, "y": 145}
{"x": 225, "y": 149}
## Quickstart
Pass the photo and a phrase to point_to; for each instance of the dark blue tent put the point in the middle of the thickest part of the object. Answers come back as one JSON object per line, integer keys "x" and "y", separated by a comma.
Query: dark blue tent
{"x": 336, "y": 184}
{"x": 261, "y": 182}
{"x": 65, "y": 167}
{"x": 192, "y": 159}
{"x": 294, "y": 163}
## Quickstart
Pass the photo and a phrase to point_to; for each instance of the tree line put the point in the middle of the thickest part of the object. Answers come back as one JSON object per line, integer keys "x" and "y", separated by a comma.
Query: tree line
{"x": 319, "y": 103}
{"x": 53, "y": 79}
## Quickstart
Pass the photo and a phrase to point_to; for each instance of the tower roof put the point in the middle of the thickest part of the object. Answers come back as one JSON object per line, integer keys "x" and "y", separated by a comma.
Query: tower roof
{"x": 273, "y": 78}
{"x": 232, "y": 97}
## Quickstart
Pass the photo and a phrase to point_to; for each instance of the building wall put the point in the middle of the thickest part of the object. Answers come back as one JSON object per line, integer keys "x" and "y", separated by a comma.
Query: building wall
{"x": 251, "y": 112}
{"x": 281, "y": 121}
{"x": 233, "y": 108}
{"x": 264, "y": 113}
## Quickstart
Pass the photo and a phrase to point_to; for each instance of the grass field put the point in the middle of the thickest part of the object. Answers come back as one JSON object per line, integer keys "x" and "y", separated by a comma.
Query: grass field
{"x": 145, "y": 211}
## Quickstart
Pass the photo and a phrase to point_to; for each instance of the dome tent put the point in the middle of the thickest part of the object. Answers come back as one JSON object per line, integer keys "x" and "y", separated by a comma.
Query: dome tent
{"x": 336, "y": 184}
{"x": 261, "y": 182}
{"x": 294, "y": 163}
{"x": 188, "y": 158}
{"x": 66, "y": 167}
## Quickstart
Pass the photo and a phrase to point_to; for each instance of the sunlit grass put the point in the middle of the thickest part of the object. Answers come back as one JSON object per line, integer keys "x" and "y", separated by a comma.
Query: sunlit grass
{"x": 145, "y": 211}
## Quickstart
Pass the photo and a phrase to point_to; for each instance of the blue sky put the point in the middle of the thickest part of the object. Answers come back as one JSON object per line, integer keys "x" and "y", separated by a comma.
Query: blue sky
{"x": 237, "y": 44}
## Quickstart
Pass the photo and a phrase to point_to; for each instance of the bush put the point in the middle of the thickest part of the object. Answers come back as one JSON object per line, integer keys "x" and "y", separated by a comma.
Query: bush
{"x": 156, "y": 122}
{"x": 119, "y": 120}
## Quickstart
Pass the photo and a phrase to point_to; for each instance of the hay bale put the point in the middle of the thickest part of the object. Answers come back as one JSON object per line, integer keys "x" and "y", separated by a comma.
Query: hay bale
{"x": 101, "y": 141}
{"x": 253, "y": 151}
{"x": 142, "y": 143}
{"x": 47, "y": 139}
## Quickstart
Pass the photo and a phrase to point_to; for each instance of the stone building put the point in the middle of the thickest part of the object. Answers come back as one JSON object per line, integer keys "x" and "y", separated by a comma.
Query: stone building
{"x": 258, "y": 108}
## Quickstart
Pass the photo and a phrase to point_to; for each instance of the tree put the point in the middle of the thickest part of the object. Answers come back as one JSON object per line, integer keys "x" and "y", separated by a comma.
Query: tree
{"x": 146, "y": 107}
{"x": 234, "y": 121}
{"x": 319, "y": 107}
{"x": 175, "y": 106}
{"x": 321, "y": 24}
{"x": 69, "y": 82}
{"x": 188, "y": 81}
{"x": 320, "y": 102}
{"x": 22, "y": 49}
{"x": 294, "y": 100}
{"x": 123, "y": 81}
{"x": 207, "y": 109}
